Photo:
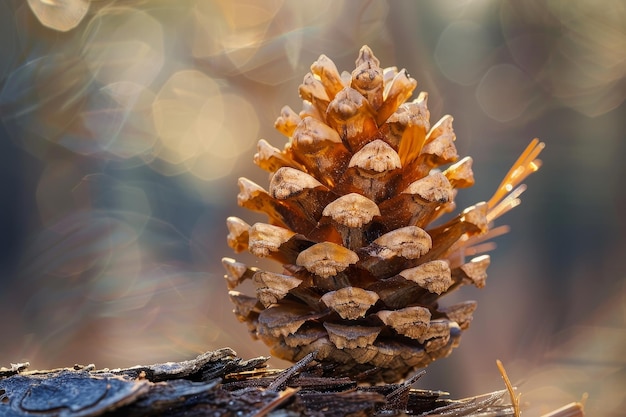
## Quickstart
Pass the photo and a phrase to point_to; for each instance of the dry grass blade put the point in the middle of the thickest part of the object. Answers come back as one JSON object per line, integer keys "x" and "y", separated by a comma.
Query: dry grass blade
{"x": 510, "y": 389}
{"x": 284, "y": 376}
{"x": 284, "y": 395}
{"x": 487, "y": 404}
{"x": 574, "y": 409}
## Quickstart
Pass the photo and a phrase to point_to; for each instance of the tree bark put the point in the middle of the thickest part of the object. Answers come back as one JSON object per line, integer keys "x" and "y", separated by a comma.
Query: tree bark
{"x": 218, "y": 383}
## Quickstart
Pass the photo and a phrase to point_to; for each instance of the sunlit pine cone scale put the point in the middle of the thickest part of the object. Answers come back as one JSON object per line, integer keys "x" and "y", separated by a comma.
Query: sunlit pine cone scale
{"x": 351, "y": 201}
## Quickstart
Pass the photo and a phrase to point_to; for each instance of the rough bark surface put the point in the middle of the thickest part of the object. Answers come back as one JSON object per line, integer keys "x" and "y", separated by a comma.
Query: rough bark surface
{"x": 219, "y": 383}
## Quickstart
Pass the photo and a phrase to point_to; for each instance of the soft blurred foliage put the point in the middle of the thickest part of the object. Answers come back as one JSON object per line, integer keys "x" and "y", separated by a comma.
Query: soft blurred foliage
{"x": 125, "y": 125}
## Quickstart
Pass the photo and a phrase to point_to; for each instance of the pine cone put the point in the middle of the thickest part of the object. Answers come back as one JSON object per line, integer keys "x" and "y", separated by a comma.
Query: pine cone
{"x": 351, "y": 202}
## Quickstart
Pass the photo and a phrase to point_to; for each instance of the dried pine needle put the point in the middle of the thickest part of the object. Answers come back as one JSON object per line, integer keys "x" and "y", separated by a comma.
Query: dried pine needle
{"x": 509, "y": 387}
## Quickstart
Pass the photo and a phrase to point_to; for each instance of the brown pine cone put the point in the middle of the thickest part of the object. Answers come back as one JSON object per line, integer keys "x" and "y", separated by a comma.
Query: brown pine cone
{"x": 351, "y": 202}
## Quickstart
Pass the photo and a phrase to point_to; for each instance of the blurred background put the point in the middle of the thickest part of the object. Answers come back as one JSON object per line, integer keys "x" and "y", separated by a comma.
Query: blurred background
{"x": 125, "y": 125}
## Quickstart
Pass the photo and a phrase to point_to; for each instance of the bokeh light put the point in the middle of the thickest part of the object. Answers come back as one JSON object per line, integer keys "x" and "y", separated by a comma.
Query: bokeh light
{"x": 574, "y": 50}
{"x": 123, "y": 44}
{"x": 504, "y": 92}
{"x": 462, "y": 52}
{"x": 119, "y": 117}
{"x": 61, "y": 15}
{"x": 188, "y": 113}
{"x": 126, "y": 123}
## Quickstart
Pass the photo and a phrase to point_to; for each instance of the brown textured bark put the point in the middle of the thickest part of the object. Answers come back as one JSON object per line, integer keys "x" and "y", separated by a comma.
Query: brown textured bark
{"x": 219, "y": 383}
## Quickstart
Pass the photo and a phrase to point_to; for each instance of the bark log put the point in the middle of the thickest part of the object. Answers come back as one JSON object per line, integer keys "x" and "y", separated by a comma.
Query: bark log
{"x": 218, "y": 383}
